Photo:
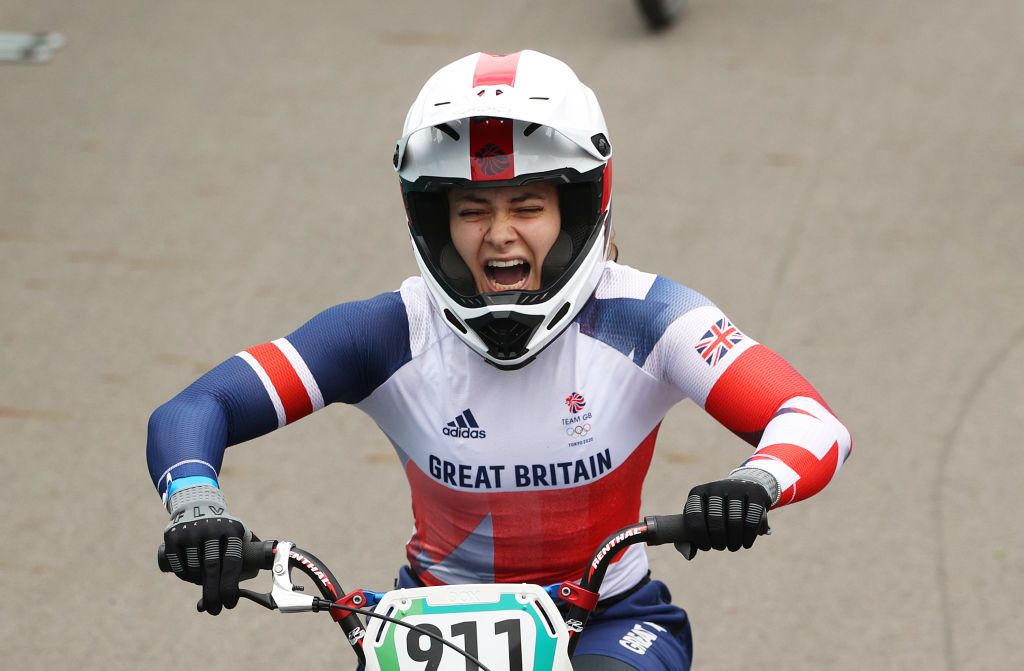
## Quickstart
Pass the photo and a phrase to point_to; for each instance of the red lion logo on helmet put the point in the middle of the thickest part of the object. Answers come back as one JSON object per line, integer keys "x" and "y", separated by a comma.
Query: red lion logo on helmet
{"x": 492, "y": 159}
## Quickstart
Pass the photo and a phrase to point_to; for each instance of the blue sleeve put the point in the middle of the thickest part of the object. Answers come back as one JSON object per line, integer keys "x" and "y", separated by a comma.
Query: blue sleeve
{"x": 188, "y": 434}
{"x": 350, "y": 350}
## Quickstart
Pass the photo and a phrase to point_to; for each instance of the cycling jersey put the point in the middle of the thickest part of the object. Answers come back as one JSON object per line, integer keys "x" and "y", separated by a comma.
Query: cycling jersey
{"x": 516, "y": 476}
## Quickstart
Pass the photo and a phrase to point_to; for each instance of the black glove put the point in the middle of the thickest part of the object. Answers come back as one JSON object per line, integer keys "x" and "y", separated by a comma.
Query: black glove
{"x": 729, "y": 514}
{"x": 204, "y": 545}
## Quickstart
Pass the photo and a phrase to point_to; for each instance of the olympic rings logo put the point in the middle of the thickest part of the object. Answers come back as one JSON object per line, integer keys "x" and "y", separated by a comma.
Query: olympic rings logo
{"x": 578, "y": 430}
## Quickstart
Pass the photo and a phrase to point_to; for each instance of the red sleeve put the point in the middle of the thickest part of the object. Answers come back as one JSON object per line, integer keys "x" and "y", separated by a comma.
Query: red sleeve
{"x": 764, "y": 400}
{"x": 752, "y": 389}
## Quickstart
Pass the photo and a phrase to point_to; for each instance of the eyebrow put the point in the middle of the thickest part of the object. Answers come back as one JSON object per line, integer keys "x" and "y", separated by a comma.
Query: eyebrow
{"x": 483, "y": 201}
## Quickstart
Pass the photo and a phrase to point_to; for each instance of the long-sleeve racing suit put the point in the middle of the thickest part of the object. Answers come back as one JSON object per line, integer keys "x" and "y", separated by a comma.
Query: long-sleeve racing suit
{"x": 515, "y": 475}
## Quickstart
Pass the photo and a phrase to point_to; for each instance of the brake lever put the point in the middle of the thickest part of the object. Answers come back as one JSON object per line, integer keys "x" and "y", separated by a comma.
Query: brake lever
{"x": 256, "y": 597}
{"x": 284, "y": 595}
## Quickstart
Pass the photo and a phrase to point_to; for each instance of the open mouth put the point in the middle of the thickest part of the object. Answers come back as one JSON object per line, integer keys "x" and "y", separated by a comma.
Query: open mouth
{"x": 507, "y": 275}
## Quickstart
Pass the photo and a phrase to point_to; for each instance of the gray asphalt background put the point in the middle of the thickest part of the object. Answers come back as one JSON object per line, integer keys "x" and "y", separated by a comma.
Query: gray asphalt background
{"x": 846, "y": 179}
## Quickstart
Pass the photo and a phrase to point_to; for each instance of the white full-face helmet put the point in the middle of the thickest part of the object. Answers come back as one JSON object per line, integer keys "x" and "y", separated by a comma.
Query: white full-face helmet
{"x": 508, "y": 120}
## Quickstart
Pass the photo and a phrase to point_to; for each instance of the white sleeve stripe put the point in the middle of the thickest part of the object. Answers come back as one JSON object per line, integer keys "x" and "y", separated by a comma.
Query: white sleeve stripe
{"x": 182, "y": 463}
{"x": 268, "y": 385}
{"x": 798, "y": 429}
{"x": 820, "y": 438}
{"x": 302, "y": 370}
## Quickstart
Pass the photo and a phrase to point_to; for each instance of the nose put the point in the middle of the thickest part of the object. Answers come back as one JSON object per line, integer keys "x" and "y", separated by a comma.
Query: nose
{"x": 502, "y": 231}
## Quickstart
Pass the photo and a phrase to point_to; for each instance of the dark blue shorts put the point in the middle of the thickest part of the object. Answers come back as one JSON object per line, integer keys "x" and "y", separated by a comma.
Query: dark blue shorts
{"x": 641, "y": 628}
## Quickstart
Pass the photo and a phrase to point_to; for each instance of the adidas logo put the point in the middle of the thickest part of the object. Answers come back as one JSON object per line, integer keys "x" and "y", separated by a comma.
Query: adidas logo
{"x": 464, "y": 426}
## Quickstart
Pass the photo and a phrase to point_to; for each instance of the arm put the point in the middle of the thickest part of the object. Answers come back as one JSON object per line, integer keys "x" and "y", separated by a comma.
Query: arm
{"x": 681, "y": 338}
{"x": 757, "y": 395}
{"x": 800, "y": 447}
{"x": 752, "y": 391}
{"x": 798, "y": 440}
{"x": 342, "y": 354}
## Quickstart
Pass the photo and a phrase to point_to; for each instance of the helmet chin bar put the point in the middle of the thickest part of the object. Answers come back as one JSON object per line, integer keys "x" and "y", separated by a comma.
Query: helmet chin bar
{"x": 506, "y": 335}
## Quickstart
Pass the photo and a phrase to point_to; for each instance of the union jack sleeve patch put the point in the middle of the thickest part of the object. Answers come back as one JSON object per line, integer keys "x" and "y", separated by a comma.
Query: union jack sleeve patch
{"x": 717, "y": 341}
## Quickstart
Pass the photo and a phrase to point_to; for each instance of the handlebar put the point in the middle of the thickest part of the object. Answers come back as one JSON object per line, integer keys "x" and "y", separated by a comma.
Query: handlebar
{"x": 654, "y": 530}
{"x": 258, "y": 555}
{"x": 282, "y": 557}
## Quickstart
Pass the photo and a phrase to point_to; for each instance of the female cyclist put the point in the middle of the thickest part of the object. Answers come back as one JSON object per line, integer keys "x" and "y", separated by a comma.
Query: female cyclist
{"x": 522, "y": 377}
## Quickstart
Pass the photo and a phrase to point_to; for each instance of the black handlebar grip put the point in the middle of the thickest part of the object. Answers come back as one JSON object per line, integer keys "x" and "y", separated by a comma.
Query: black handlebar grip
{"x": 663, "y": 529}
{"x": 256, "y": 556}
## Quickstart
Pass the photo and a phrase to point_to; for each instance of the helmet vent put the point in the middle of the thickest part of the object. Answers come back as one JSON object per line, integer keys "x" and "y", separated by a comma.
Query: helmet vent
{"x": 530, "y": 129}
{"x": 601, "y": 144}
{"x": 454, "y": 320}
{"x": 446, "y": 102}
{"x": 539, "y": 98}
{"x": 558, "y": 316}
{"x": 507, "y": 337}
{"x": 448, "y": 130}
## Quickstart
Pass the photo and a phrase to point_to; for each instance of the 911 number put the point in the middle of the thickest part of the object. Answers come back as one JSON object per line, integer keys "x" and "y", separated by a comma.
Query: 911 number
{"x": 423, "y": 648}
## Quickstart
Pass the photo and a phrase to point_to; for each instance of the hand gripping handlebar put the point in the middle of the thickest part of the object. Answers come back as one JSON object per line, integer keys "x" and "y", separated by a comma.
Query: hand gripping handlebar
{"x": 280, "y": 557}
{"x": 663, "y": 529}
{"x": 257, "y": 556}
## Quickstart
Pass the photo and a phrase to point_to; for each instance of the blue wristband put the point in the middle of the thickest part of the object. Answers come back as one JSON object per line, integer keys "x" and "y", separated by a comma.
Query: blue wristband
{"x": 190, "y": 481}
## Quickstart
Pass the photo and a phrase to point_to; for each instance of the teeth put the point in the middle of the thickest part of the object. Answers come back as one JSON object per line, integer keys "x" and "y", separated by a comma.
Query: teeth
{"x": 509, "y": 287}
{"x": 505, "y": 264}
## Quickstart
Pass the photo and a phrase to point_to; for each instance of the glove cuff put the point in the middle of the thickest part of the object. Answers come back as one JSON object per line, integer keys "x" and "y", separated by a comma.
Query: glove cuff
{"x": 188, "y": 496}
{"x": 760, "y": 477}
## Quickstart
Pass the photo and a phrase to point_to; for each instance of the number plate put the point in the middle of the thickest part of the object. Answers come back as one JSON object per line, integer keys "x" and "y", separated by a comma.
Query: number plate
{"x": 507, "y": 627}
